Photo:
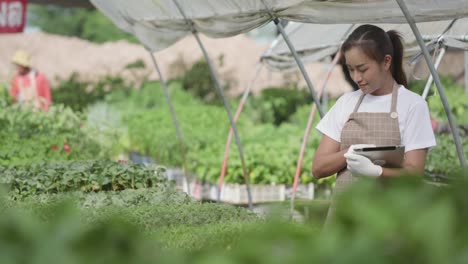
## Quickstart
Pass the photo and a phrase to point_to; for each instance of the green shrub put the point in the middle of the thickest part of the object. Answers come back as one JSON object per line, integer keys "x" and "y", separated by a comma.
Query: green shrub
{"x": 63, "y": 238}
{"x": 113, "y": 232}
{"x": 395, "y": 221}
{"x": 4, "y": 95}
{"x": 86, "y": 176}
{"x": 152, "y": 132}
{"x": 27, "y": 136}
{"x": 89, "y": 24}
{"x": 456, "y": 96}
{"x": 271, "y": 155}
{"x": 276, "y": 105}
{"x": 78, "y": 95}
{"x": 400, "y": 220}
{"x": 301, "y": 116}
{"x": 271, "y": 151}
{"x": 442, "y": 160}
{"x": 150, "y": 96}
{"x": 199, "y": 82}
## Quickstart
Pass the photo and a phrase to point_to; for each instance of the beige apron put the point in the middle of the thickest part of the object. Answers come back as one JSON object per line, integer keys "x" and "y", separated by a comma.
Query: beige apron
{"x": 28, "y": 92}
{"x": 366, "y": 128}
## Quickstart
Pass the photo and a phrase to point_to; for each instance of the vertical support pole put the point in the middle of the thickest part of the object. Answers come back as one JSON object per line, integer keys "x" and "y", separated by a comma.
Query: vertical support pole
{"x": 229, "y": 138}
{"x": 226, "y": 104}
{"x": 436, "y": 65}
{"x": 466, "y": 72}
{"x": 453, "y": 127}
{"x": 174, "y": 120}
{"x": 231, "y": 119}
{"x": 325, "y": 101}
{"x": 305, "y": 138}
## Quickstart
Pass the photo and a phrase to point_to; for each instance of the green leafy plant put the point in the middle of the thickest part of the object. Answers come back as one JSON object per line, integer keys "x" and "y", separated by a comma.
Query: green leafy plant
{"x": 456, "y": 97}
{"x": 87, "y": 176}
{"x": 28, "y": 136}
{"x": 402, "y": 220}
{"x": 271, "y": 151}
{"x": 78, "y": 95}
{"x": 198, "y": 81}
{"x": 277, "y": 104}
{"x": 442, "y": 160}
{"x": 4, "y": 96}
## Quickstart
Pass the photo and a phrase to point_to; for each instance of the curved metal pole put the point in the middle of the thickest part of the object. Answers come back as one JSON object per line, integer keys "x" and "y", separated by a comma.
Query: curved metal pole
{"x": 466, "y": 72}
{"x": 417, "y": 34}
{"x": 231, "y": 120}
{"x": 299, "y": 63}
{"x": 228, "y": 141}
{"x": 436, "y": 65}
{"x": 226, "y": 104}
{"x": 307, "y": 132}
{"x": 174, "y": 120}
{"x": 325, "y": 100}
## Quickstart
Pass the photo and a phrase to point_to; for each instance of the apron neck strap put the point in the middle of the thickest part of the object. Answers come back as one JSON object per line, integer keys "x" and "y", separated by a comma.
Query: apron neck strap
{"x": 394, "y": 99}
{"x": 359, "y": 102}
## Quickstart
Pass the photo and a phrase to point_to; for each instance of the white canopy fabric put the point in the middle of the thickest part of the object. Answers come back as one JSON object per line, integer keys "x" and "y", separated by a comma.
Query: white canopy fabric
{"x": 315, "y": 42}
{"x": 159, "y": 23}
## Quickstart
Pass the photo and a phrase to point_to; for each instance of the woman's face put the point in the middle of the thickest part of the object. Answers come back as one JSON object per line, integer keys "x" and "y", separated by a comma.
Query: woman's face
{"x": 367, "y": 73}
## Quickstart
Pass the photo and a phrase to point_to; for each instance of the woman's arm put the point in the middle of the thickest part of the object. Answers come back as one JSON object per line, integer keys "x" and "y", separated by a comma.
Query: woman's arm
{"x": 414, "y": 163}
{"x": 418, "y": 137}
{"x": 328, "y": 158}
{"x": 14, "y": 90}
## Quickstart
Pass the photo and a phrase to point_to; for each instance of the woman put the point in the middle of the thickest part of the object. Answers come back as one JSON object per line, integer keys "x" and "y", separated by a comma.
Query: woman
{"x": 381, "y": 112}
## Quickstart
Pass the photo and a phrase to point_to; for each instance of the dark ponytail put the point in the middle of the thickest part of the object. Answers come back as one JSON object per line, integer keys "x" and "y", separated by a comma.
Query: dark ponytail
{"x": 397, "y": 58}
{"x": 376, "y": 44}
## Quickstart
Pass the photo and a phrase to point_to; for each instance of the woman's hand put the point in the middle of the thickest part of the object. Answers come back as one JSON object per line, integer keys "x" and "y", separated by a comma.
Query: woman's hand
{"x": 360, "y": 165}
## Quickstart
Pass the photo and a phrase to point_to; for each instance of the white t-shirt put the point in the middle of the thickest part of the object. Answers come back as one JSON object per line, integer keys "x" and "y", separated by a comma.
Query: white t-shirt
{"x": 413, "y": 116}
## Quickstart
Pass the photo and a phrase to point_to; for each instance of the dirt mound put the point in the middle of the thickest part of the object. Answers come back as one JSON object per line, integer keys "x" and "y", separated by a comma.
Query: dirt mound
{"x": 236, "y": 58}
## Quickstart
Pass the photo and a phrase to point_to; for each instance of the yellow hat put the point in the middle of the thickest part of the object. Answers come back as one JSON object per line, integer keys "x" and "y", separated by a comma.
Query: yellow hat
{"x": 22, "y": 58}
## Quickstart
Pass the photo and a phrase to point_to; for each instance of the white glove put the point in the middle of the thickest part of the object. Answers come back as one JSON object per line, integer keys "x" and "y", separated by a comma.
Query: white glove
{"x": 360, "y": 165}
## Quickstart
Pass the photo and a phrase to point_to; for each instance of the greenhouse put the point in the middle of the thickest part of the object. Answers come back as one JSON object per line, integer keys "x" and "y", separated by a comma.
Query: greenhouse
{"x": 197, "y": 131}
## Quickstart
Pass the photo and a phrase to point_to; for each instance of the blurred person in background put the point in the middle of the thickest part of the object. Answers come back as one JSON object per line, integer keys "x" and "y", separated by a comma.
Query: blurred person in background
{"x": 29, "y": 86}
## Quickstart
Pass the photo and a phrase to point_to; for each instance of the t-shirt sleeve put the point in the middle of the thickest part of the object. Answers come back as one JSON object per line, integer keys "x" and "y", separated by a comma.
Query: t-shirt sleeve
{"x": 331, "y": 124}
{"x": 418, "y": 133}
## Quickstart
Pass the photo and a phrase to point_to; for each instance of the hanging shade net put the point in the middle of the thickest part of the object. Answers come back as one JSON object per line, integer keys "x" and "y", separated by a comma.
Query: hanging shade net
{"x": 316, "y": 42}
{"x": 158, "y": 24}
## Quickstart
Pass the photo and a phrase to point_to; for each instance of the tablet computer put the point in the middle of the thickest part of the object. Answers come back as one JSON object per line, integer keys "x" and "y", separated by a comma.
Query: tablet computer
{"x": 387, "y": 156}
